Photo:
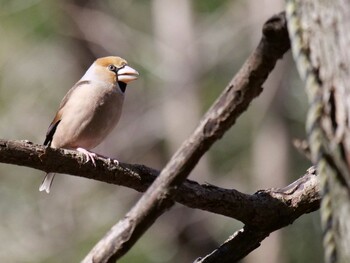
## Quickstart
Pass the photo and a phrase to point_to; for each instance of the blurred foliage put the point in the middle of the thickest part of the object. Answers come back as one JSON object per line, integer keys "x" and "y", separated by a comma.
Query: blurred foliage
{"x": 208, "y": 6}
{"x": 45, "y": 48}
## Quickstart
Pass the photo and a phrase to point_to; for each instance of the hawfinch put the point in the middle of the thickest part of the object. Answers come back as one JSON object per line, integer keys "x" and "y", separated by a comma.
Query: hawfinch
{"x": 90, "y": 109}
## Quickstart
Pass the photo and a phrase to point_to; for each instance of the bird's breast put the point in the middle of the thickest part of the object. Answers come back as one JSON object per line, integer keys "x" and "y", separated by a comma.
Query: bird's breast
{"x": 89, "y": 116}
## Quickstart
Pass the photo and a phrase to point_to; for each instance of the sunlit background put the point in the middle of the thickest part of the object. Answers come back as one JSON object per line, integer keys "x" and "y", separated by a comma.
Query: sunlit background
{"x": 186, "y": 52}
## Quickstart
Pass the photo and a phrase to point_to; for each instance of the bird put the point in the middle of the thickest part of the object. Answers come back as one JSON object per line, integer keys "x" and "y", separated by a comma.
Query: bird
{"x": 90, "y": 110}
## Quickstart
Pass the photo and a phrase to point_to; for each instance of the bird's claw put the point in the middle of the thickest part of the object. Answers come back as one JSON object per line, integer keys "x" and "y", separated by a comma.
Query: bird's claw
{"x": 90, "y": 156}
{"x": 110, "y": 161}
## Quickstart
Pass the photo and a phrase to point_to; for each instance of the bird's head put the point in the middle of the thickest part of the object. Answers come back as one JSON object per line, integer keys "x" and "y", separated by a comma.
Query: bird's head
{"x": 112, "y": 69}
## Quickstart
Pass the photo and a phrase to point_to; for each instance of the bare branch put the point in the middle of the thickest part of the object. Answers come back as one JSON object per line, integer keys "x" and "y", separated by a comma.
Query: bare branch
{"x": 244, "y": 241}
{"x": 240, "y": 244}
{"x": 274, "y": 206}
{"x": 262, "y": 212}
{"x": 234, "y": 100}
{"x": 264, "y": 209}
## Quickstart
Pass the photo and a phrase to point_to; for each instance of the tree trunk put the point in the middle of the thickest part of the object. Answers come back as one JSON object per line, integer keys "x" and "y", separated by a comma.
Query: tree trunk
{"x": 319, "y": 32}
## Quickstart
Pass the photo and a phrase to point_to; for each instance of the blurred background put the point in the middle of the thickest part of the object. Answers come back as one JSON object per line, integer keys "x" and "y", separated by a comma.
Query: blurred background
{"x": 186, "y": 52}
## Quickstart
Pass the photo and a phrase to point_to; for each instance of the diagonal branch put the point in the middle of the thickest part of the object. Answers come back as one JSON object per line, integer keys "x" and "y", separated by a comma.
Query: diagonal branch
{"x": 234, "y": 100}
{"x": 240, "y": 244}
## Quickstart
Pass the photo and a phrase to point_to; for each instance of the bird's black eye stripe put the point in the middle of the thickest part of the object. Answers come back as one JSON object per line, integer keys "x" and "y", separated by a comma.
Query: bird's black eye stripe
{"x": 112, "y": 68}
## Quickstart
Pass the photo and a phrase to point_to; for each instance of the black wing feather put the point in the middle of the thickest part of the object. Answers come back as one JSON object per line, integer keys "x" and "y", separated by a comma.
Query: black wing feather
{"x": 50, "y": 132}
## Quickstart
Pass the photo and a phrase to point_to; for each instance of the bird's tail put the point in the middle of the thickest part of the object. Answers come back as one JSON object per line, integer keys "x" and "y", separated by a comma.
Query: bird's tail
{"x": 47, "y": 182}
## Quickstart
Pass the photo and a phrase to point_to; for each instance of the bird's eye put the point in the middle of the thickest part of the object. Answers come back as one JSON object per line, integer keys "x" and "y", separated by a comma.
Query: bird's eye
{"x": 112, "y": 67}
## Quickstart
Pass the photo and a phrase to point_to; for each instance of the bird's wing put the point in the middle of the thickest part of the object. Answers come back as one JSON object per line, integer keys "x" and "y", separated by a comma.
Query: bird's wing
{"x": 69, "y": 93}
{"x": 53, "y": 126}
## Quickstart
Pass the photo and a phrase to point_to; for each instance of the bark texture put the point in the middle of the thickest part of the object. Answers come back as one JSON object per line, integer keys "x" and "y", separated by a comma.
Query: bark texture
{"x": 320, "y": 38}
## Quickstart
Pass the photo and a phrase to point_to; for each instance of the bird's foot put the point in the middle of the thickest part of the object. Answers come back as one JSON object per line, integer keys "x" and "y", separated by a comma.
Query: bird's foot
{"x": 110, "y": 161}
{"x": 90, "y": 156}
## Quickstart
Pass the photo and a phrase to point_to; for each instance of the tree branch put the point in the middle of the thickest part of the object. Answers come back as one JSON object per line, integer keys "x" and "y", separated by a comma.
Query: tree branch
{"x": 234, "y": 100}
{"x": 264, "y": 211}
{"x": 244, "y": 241}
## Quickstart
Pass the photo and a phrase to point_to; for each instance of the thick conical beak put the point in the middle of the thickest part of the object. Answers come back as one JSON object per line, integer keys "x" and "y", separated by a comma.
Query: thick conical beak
{"x": 127, "y": 74}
